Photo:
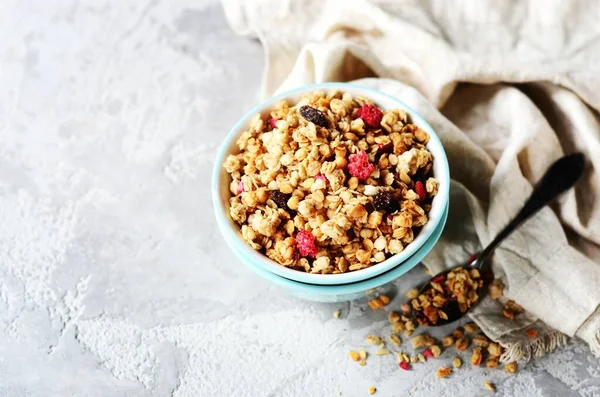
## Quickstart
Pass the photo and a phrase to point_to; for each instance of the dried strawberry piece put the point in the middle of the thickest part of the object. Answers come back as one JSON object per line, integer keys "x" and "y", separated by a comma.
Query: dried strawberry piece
{"x": 359, "y": 165}
{"x": 404, "y": 365}
{"x": 371, "y": 115}
{"x": 306, "y": 243}
{"x": 428, "y": 353}
{"x": 240, "y": 187}
{"x": 421, "y": 191}
{"x": 273, "y": 122}
{"x": 437, "y": 279}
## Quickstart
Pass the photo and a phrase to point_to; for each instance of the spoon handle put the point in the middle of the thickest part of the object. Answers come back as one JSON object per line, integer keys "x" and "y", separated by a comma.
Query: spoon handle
{"x": 561, "y": 176}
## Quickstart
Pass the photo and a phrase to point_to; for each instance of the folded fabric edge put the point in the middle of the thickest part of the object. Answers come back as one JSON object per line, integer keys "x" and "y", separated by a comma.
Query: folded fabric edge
{"x": 590, "y": 332}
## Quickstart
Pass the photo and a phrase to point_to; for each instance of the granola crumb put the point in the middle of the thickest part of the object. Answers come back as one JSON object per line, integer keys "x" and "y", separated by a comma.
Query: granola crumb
{"x": 374, "y": 339}
{"x": 443, "y": 372}
{"x": 531, "y": 333}
{"x": 337, "y": 313}
{"x": 396, "y": 340}
{"x": 511, "y": 367}
{"x": 353, "y": 355}
{"x": 412, "y": 293}
{"x": 489, "y": 386}
{"x": 471, "y": 327}
{"x": 492, "y": 362}
{"x": 393, "y": 317}
{"x": 462, "y": 344}
{"x": 362, "y": 354}
{"x": 382, "y": 352}
{"x": 496, "y": 289}
{"x": 362, "y": 363}
{"x": 372, "y": 390}
{"x": 456, "y": 362}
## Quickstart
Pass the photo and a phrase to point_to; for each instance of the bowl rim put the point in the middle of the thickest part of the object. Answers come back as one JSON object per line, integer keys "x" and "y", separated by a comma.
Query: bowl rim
{"x": 233, "y": 234}
{"x": 340, "y": 290}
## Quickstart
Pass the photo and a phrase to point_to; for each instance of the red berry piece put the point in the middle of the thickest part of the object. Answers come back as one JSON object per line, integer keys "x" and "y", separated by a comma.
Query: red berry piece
{"x": 359, "y": 165}
{"x": 472, "y": 258}
{"x": 371, "y": 115}
{"x": 439, "y": 278}
{"x": 404, "y": 365}
{"x": 240, "y": 188}
{"x": 428, "y": 353}
{"x": 306, "y": 243}
{"x": 273, "y": 122}
{"x": 420, "y": 189}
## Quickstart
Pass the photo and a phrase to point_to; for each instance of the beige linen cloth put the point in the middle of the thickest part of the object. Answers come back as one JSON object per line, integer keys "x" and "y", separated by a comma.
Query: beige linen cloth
{"x": 509, "y": 87}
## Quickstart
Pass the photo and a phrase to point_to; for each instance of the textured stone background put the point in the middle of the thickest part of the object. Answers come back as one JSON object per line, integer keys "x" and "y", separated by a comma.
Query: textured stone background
{"x": 113, "y": 279}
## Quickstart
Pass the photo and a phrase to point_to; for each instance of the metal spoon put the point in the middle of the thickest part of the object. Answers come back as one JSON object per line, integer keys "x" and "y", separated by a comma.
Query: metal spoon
{"x": 561, "y": 176}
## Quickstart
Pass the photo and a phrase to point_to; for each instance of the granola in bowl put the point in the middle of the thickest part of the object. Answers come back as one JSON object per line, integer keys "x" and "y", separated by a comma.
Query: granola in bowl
{"x": 331, "y": 184}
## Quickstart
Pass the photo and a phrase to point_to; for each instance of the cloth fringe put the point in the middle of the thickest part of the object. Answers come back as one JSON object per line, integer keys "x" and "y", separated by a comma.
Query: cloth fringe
{"x": 525, "y": 350}
{"x": 595, "y": 344}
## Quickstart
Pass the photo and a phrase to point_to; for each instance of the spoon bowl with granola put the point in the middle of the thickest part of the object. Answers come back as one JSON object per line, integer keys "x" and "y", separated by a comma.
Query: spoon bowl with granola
{"x": 330, "y": 184}
{"x": 448, "y": 296}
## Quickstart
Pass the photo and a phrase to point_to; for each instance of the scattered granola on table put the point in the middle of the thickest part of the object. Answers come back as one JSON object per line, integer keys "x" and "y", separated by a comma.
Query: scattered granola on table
{"x": 331, "y": 184}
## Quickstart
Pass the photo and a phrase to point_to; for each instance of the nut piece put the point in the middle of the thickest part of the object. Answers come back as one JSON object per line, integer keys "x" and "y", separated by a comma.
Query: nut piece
{"x": 354, "y": 356}
{"x": 372, "y": 390}
{"x": 481, "y": 340}
{"x": 462, "y": 344}
{"x": 412, "y": 293}
{"x": 443, "y": 372}
{"x": 476, "y": 357}
{"x": 531, "y": 333}
{"x": 337, "y": 313}
{"x": 436, "y": 350}
{"x": 471, "y": 327}
{"x": 494, "y": 349}
{"x": 374, "y": 339}
{"x": 456, "y": 362}
{"x": 421, "y": 357}
{"x": 492, "y": 362}
{"x": 511, "y": 367}
{"x": 489, "y": 386}
{"x": 414, "y": 359}
{"x": 447, "y": 341}
{"x": 382, "y": 352}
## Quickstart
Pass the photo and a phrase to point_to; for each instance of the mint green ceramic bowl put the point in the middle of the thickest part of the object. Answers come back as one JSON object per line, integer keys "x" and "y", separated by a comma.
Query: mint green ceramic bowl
{"x": 231, "y": 232}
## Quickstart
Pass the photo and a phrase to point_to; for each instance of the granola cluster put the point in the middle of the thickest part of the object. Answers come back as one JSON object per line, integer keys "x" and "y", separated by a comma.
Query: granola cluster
{"x": 458, "y": 289}
{"x": 331, "y": 184}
